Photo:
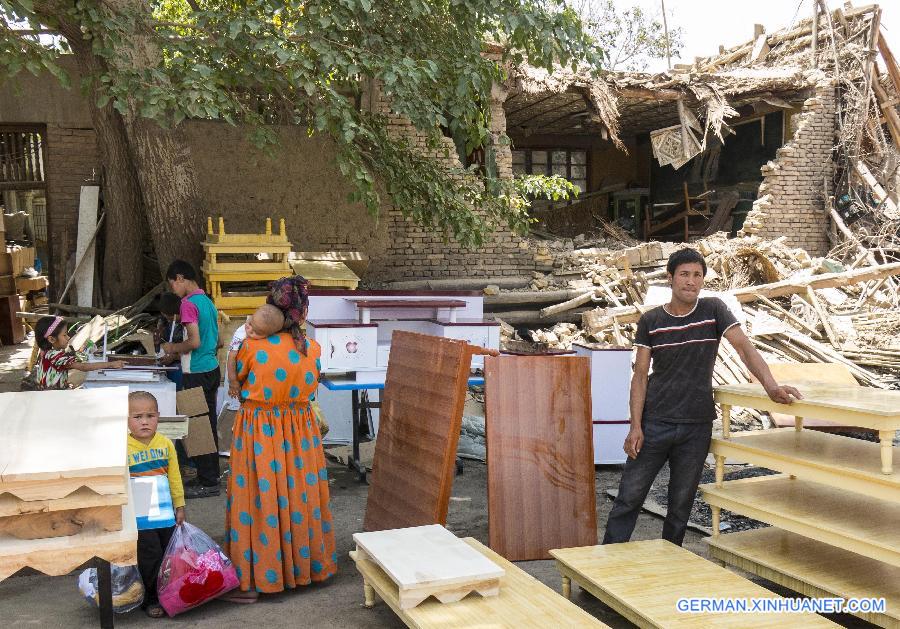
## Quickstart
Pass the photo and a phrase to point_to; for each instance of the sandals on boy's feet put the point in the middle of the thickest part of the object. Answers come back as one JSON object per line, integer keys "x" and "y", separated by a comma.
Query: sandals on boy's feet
{"x": 155, "y": 611}
{"x": 240, "y": 596}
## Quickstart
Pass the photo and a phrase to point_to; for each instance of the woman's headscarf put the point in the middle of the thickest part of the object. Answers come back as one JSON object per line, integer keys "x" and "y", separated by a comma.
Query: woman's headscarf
{"x": 291, "y": 296}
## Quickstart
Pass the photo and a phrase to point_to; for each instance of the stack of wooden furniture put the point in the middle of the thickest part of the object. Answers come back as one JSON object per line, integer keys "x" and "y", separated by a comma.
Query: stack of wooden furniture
{"x": 11, "y": 329}
{"x": 835, "y": 506}
{"x": 64, "y": 491}
{"x": 234, "y": 259}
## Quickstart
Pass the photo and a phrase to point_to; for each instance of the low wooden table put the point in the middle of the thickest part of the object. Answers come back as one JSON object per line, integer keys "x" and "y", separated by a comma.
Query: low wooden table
{"x": 854, "y": 406}
{"x": 523, "y": 601}
{"x": 643, "y": 581}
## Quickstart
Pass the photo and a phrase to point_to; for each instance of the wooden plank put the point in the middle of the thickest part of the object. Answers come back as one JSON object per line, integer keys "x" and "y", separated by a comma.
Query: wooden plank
{"x": 56, "y": 489}
{"x": 859, "y": 524}
{"x": 428, "y": 561}
{"x": 643, "y": 581}
{"x": 84, "y": 250}
{"x": 840, "y": 462}
{"x": 62, "y": 523}
{"x": 523, "y": 602}
{"x": 83, "y": 497}
{"x": 45, "y": 424}
{"x": 57, "y": 556}
{"x": 540, "y": 454}
{"x": 421, "y": 415}
{"x": 812, "y": 568}
{"x": 887, "y": 205}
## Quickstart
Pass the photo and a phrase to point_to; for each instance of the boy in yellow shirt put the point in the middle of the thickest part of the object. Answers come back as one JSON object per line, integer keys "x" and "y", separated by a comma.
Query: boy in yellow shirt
{"x": 156, "y": 489}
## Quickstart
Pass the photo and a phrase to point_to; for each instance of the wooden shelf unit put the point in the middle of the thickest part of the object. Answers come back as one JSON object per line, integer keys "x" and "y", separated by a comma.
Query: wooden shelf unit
{"x": 808, "y": 566}
{"x": 849, "y": 464}
{"x": 836, "y": 517}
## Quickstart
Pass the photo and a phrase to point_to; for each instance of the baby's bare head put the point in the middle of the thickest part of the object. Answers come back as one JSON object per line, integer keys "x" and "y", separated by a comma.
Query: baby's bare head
{"x": 267, "y": 320}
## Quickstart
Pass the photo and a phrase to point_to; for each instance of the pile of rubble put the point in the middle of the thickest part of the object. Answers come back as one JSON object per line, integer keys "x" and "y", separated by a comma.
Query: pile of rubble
{"x": 796, "y": 308}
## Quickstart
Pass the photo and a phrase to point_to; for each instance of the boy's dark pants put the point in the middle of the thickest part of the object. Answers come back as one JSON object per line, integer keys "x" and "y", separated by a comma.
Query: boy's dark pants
{"x": 151, "y": 546}
{"x": 207, "y": 464}
{"x": 685, "y": 447}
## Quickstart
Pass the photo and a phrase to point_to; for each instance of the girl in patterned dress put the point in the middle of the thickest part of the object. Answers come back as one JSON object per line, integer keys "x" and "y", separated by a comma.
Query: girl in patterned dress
{"x": 278, "y": 525}
{"x": 55, "y": 360}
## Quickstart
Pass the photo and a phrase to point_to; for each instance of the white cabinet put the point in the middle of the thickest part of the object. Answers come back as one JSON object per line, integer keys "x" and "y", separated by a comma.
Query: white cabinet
{"x": 345, "y": 346}
{"x": 481, "y": 333}
{"x": 610, "y": 389}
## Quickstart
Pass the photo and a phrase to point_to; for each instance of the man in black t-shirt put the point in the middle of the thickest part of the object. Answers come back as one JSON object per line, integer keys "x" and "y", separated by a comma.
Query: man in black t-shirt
{"x": 672, "y": 409}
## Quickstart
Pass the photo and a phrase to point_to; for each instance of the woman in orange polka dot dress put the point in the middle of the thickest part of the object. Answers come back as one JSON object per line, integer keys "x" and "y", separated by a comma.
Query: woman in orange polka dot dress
{"x": 278, "y": 526}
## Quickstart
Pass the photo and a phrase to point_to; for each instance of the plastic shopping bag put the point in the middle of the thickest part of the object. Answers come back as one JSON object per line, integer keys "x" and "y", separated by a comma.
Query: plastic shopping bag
{"x": 194, "y": 570}
{"x": 127, "y": 588}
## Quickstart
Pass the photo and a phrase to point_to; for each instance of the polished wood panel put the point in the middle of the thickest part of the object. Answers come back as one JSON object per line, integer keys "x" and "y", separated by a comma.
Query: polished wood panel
{"x": 539, "y": 455}
{"x": 840, "y": 462}
{"x": 421, "y": 415}
{"x": 859, "y": 524}
{"x": 812, "y": 568}
{"x": 877, "y": 408}
{"x": 523, "y": 601}
{"x": 643, "y": 581}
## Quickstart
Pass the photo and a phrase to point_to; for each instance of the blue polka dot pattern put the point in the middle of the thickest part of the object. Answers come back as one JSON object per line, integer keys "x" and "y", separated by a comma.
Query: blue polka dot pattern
{"x": 318, "y": 364}
{"x": 294, "y": 392}
{"x": 268, "y": 430}
{"x": 312, "y": 534}
{"x": 267, "y": 393}
{"x": 286, "y": 445}
{"x": 275, "y": 466}
{"x": 304, "y": 552}
{"x": 263, "y": 539}
{"x": 238, "y": 444}
{"x": 234, "y": 535}
{"x": 245, "y": 518}
{"x": 304, "y": 445}
{"x": 297, "y": 517}
{"x": 263, "y": 486}
{"x": 250, "y": 556}
{"x": 296, "y": 571}
{"x": 311, "y": 479}
{"x": 272, "y": 521}
{"x": 298, "y": 462}
{"x": 309, "y": 377}
{"x": 317, "y": 567}
{"x": 238, "y": 571}
{"x": 251, "y": 378}
{"x": 326, "y": 527}
{"x": 317, "y": 514}
{"x": 280, "y": 374}
{"x": 274, "y": 339}
{"x": 291, "y": 482}
{"x": 315, "y": 442}
{"x": 262, "y": 356}
{"x": 288, "y": 536}
{"x": 245, "y": 393}
{"x": 294, "y": 356}
{"x": 323, "y": 474}
{"x": 271, "y": 576}
{"x": 304, "y": 497}
{"x": 257, "y": 502}
{"x": 239, "y": 366}
{"x": 282, "y": 502}
{"x": 240, "y": 480}
{"x": 278, "y": 556}
{"x": 257, "y": 449}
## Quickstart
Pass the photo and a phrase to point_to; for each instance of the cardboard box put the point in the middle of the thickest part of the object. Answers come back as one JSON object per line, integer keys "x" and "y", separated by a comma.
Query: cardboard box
{"x": 199, "y": 439}
{"x": 7, "y": 285}
{"x": 5, "y": 263}
{"x": 191, "y": 402}
{"x": 225, "y": 428}
{"x": 22, "y": 258}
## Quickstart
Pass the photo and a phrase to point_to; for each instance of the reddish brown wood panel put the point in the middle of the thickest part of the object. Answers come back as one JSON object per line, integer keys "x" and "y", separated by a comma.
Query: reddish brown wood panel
{"x": 539, "y": 455}
{"x": 421, "y": 414}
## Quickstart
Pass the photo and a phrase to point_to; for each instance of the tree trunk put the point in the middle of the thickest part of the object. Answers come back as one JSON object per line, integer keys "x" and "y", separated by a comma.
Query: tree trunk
{"x": 122, "y": 269}
{"x": 165, "y": 169}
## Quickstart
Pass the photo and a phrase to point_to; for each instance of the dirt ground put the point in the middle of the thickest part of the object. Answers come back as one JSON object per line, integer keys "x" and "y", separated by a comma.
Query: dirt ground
{"x": 34, "y": 600}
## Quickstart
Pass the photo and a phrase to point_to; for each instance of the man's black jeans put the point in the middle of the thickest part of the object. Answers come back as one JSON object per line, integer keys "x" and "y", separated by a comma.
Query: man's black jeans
{"x": 685, "y": 447}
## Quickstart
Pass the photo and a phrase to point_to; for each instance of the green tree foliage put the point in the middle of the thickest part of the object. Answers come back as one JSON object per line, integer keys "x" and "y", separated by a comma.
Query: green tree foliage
{"x": 264, "y": 62}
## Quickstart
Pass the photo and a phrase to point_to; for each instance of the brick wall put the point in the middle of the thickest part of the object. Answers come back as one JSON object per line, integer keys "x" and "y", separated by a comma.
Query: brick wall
{"x": 792, "y": 195}
{"x": 415, "y": 252}
{"x": 72, "y": 160}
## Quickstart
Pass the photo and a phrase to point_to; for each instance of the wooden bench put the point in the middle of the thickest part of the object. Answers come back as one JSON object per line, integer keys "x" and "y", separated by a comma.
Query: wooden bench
{"x": 643, "y": 581}
{"x": 523, "y": 601}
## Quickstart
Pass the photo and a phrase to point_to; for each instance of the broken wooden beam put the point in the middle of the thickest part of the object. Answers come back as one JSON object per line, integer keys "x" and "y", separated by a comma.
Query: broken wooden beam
{"x": 887, "y": 205}
{"x": 580, "y": 300}
{"x": 598, "y": 319}
{"x": 528, "y": 297}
